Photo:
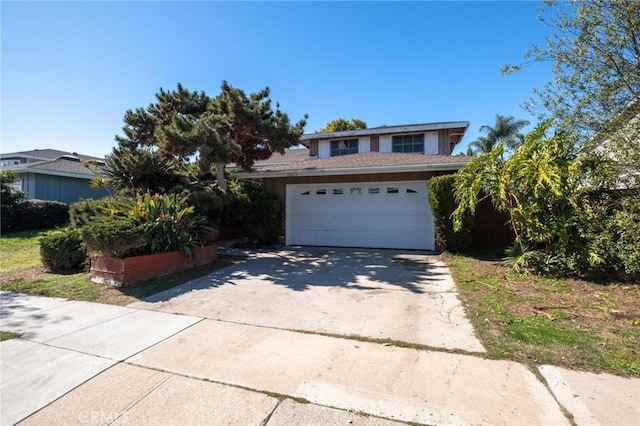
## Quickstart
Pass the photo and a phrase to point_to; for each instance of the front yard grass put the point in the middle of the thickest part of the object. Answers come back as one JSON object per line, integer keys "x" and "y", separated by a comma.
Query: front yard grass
{"x": 21, "y": 271}
{"x": 565, "y": 322}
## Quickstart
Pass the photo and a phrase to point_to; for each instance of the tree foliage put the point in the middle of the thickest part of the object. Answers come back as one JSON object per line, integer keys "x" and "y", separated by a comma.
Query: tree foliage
{"x": 506, "y": 130}
{"x": 250, "y": 125}
{"x": 537, "y": 186}
{"x": 563, "y": 223}
{"x": 595, "y": 49}
{"x": 161, "y": 143}
{"x": 9, "y": 196}
{"x": 342, "y": 124}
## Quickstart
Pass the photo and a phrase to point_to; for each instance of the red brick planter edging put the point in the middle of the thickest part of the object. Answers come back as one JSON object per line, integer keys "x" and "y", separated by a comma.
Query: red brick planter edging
{"x": 122, "y": 272}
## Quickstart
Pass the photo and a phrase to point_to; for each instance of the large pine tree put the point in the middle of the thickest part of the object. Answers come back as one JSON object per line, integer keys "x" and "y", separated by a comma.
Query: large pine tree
{"x": 160, "y": 142}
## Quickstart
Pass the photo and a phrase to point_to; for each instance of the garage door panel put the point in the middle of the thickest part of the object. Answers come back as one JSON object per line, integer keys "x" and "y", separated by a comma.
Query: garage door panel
{"x": 393, "y": 215}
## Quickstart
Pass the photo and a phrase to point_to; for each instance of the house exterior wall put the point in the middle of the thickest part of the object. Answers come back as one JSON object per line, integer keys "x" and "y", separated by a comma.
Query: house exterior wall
{"x": 436, "y": 142}
{"x": 64, "y": 189}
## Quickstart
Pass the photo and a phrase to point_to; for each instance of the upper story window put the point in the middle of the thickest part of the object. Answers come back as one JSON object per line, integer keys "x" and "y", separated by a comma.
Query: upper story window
{"x": 408, "y": 143}
{"x": 5, "y": 163}
{"x": 344, "y": 147}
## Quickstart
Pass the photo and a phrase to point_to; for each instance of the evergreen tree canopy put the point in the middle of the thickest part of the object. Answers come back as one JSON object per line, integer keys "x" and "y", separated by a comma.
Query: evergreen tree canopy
{"x": 161, "y": 143}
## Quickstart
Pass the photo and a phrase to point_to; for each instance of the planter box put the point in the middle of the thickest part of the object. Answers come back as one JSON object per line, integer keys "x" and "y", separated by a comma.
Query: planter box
{"x": 122, "y": 272}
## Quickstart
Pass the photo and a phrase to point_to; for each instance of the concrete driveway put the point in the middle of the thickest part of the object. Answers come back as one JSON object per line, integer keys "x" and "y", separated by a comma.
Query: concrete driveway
{"x": 377, "y": 294}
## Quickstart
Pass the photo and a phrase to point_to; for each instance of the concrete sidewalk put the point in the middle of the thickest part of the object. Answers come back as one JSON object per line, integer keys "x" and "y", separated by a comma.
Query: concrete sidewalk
{"x": 84, "y": 363}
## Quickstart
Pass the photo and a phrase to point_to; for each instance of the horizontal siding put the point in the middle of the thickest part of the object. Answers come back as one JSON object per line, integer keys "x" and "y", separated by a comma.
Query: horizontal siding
{"x": 64, "y": 189}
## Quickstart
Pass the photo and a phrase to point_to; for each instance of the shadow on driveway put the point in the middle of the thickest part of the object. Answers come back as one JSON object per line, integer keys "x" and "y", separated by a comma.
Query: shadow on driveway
{"x": 304, "y": 268}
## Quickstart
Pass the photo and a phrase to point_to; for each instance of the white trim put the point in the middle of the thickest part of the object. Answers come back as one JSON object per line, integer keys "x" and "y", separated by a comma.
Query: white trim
{"x": 352, "y": 170}
{"x": 387, "y": 130}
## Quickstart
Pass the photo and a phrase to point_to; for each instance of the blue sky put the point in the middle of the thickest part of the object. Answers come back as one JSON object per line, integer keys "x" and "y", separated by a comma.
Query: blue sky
{"x": 71, "y": 70}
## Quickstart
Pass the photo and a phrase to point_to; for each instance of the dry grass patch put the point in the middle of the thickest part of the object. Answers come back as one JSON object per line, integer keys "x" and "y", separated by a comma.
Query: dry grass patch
{"x": 534, "y": 320}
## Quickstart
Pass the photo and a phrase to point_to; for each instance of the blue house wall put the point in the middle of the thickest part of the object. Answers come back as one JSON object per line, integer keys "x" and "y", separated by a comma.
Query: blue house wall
{"x": 58, "y": 188}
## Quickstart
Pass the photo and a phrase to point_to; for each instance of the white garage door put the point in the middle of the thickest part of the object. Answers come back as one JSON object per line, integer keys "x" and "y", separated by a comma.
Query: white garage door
{"x": 379, "y": 215}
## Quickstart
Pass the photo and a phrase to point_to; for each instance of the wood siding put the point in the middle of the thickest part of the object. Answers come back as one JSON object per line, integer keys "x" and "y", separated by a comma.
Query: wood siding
{"x": 313, "y": 148}
{"x": 375, "y": 143}
{"x": 490, "y": 229}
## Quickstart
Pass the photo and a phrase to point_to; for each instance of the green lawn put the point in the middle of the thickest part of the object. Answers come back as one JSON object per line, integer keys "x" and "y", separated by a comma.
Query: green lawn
{"x": 22, "y": 272}
{"x": 20, "y": 250}
{"x": 534, "y": 320}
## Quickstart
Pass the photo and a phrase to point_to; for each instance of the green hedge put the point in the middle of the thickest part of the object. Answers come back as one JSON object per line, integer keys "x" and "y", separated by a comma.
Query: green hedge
{"x": 81, "y": 212}
{"x": 115, "y": 236}
{"x": 263, "y": 217}
{"x": 34, "y": 214}
{"x": 443, "y": 203}
{"x": 62, "y": 251}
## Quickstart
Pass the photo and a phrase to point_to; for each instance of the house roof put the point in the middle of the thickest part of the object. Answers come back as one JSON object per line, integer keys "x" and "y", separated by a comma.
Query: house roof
{"x": 47, "y": 154}
{"x": 293, "y": 164}
{"x": 383, "y": 130}
{"x": 62, "y": 166}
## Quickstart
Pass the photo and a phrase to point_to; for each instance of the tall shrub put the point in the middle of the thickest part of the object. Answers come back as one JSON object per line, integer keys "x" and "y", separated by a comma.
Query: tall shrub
{"x": 443, "y": 204}
{"x": 538, "y": 186}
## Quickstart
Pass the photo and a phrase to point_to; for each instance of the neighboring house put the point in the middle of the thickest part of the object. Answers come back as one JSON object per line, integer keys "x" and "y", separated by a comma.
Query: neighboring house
{"x": 49, "y": 174}
{"x": 362, "y": 188}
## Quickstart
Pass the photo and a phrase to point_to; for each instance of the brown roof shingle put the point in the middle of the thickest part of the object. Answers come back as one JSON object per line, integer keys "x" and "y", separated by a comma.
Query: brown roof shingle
{"x": 362, "y": 160}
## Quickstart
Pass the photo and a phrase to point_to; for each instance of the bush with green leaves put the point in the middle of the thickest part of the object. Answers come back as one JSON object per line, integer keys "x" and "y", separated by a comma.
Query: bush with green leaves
{"x": 9, "y": 196}
{"x": 152, "y": 224}
{"x": 83, "y": 211}
{"x": 538, "y": 186}
{"x": 262, "y": 217}
{"x": 63, "y": 251}
{"x": 611, "y": 229}
{"x": 564, "y": 225}
{"x": 443, "y": 204}
{"x": 169, "y": 222}
{"x": 115, "y": 236}
{"x": 34, "y": 214}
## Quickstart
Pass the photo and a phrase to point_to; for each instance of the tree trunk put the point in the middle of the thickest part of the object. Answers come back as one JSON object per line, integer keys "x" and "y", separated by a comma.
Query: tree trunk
{"x": 222, "y": 181}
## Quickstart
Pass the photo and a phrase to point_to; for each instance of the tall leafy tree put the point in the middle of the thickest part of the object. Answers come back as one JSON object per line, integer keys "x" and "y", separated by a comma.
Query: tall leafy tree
{"x": 595, "y": 49}
{"x": 341, "y": 125}
{"x": 505, "y": 130}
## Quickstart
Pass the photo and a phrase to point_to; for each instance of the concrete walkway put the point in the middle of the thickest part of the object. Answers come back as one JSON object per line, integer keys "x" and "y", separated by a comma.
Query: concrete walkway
{"x": 84, "y": 363}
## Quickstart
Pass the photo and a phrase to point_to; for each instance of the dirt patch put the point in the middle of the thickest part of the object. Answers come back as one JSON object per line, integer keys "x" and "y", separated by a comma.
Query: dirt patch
{"x": 33, "y": 273}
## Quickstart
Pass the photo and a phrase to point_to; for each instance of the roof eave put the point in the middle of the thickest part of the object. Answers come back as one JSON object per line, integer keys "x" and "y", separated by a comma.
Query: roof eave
{"x": 352, "y": 170}
{"x": 387, "y": 130}
{"x": 51, "y": 173}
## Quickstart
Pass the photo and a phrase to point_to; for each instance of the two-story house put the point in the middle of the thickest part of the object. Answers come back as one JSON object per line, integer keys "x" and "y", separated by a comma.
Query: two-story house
{"x": 362, "y": 188}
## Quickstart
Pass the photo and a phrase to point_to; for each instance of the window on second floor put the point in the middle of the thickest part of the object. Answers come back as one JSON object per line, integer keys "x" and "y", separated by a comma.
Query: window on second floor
{"x": 344, "y": 147}
{"x": 408, "y": 143}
